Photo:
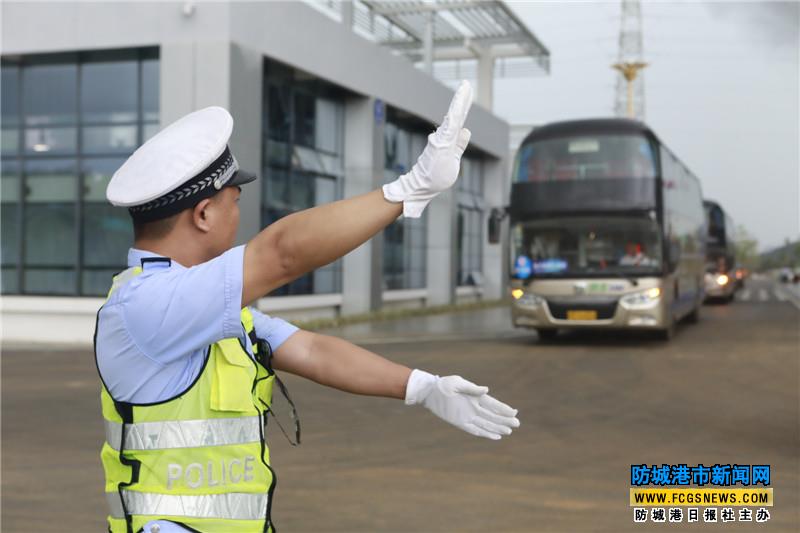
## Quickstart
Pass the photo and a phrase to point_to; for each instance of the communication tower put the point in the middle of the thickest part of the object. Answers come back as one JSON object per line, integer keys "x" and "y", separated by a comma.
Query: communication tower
{"x": 629, "y": 97}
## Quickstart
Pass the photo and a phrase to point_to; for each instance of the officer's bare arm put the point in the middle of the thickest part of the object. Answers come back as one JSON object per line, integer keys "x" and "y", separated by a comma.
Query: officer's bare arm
{"x": 312, "y": 238}
{"x": 342, "y": 365}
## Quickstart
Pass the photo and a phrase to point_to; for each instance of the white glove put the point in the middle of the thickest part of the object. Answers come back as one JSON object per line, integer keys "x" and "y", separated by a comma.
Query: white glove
{"x": 461, "y": 403}
{"x": 437, "y": 168}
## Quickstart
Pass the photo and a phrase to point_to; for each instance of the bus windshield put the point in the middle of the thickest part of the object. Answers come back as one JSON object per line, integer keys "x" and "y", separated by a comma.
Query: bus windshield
{"x": 585, "y": 157}
{"x": 577, "y": 247}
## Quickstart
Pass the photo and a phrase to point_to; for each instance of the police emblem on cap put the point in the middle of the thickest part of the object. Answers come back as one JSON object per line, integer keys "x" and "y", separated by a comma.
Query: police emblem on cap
{"x": 186, "y": 162}
{"x": 226, "y": 175}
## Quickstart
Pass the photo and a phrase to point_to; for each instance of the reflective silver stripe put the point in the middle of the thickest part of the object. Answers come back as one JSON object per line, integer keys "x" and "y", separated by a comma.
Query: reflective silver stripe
{"x": 229, "y": 506}
{"x": 114, "y": 505}
{"x": 185, "y": 433}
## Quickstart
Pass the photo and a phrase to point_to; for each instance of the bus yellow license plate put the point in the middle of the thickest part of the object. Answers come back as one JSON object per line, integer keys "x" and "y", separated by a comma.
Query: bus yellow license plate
{"x": 582, "y": 315}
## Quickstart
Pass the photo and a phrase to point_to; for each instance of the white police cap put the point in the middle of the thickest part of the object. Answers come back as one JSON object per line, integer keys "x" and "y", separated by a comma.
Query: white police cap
{"x": 181, "y": 165}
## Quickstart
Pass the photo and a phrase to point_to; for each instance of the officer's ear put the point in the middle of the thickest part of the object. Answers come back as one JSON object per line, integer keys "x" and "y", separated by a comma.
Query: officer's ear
{"x": 201, "y": 215}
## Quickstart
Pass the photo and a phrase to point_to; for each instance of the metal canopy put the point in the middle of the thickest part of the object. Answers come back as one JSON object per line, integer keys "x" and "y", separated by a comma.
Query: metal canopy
{"x": 451, "y": 30}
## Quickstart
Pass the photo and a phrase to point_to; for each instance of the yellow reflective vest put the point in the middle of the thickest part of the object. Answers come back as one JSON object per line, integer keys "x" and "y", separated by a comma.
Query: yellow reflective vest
{"x": 199, "y": 459}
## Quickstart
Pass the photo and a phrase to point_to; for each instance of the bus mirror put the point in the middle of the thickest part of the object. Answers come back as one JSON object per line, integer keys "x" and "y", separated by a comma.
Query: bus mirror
{"x": 494, "y": 224}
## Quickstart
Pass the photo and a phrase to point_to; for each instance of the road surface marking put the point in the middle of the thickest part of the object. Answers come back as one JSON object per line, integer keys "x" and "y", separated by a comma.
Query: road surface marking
{"x": 762, "y": 295}
{"x": 745, "y": 295}
{"x": 784, "y": 293}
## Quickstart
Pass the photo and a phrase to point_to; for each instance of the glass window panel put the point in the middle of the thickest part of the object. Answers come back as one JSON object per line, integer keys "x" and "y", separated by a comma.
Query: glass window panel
{"x": 9, "y": 181}
{"x": 51, "y": 94}
{"x": 109, "y": 91}
{"x": 278, "y": 114}
{"x": 107, "y": 234}
{"x": 463, "y": 174}
{"x": 109, "y": 139}
{"x": 306, "y": 159}
{"x": 390, "y": 147}
{"x": 418, "y": 259}
{"x": 332, "y": 165}
{"x": 9, "y": 84}
{"x": 97, "y": 173}
{"x": 278, "y": 153}
{"x": 150, "y": 90}
{"x": 48, "y": 141}
{"x": 326, "y": 191}
{"x": 50, "y": 230}
{"x": 148, "y": 131}
{"x": 403, "y": 158}
{"x": 302, "y": 285}
{"x": 301, "y": 191}
{"x": 9, "y": 247}
{"x": 9, "y": 212}
{"x": 324, "y": 280}
{"x": 50, "y": 234}
{"x": 304, "y": 115}
{"x": 10, "y": 281}
{"x": 97, "y": 282}
{"x": 418, "y": 143}
{"x": 10, "y": 141}
{"x": 328, "y": 126}
{"x": 416, "y": 279}
{"x": 276, "y": 214}
{"x": 50, "y": 180}
{"x": 50, "y": 281}
{"x": 277, "y": 189}
{"x": 303, "y": 135}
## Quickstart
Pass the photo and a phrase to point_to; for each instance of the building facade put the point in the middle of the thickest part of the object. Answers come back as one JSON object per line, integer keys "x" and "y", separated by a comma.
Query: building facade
{"x": 320, "y": 112}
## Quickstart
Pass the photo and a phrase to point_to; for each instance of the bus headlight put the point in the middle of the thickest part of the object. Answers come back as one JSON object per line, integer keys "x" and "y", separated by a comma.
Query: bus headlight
{"x": 722, "y": 279}
{"x": 639, "y": 299}
{"x": 526, "y": 299}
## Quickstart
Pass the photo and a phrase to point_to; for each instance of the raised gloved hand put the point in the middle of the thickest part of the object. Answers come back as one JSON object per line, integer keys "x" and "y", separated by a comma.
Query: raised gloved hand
{"x": 437, "y": 168}
{"x": 461, "y": 403}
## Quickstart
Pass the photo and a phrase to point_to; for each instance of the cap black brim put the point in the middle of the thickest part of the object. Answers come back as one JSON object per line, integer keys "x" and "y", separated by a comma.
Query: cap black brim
{"x": 240, "y": 178}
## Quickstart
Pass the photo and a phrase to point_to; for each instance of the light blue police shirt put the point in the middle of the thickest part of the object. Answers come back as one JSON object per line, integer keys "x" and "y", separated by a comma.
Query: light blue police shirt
{"x": 153, "y": 331}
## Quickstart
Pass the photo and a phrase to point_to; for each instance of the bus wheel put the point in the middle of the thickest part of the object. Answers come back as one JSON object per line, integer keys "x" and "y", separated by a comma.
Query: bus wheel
{"x": 668, "y": 332}
{"x": 694, "y": 316}
{"x": 547, "y": 334}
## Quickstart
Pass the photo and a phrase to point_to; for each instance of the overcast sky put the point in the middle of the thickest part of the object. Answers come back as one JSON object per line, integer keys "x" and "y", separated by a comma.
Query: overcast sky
{"x": 722, "y": 92}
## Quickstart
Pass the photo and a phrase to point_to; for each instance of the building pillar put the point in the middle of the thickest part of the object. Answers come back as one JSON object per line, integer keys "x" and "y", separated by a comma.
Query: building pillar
{"x": 246, "y": 80}
{"x": 427, "y": 41}
{"x": 176, "y": 78}
{"x": 347, "y": 13}
{"x": 496, "y": 189}
{"x": 362, "y": 269}
{"x": 442, "y": 266}
{"x": 486, "y": 79}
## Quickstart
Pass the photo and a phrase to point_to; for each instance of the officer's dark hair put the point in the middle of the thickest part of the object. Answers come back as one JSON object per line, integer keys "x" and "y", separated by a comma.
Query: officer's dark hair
{"x": 156, "y": 229}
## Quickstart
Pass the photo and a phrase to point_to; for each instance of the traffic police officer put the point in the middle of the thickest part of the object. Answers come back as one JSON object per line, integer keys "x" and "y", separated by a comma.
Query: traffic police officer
{"x": 188, "y": 367}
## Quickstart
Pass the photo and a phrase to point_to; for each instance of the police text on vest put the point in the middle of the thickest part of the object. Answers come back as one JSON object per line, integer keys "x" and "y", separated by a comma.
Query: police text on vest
{"x": 221, "y": 472}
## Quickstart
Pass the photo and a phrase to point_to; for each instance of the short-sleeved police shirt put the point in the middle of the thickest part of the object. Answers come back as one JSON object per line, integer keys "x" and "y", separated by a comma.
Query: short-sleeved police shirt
{"x": 153, "y": 331}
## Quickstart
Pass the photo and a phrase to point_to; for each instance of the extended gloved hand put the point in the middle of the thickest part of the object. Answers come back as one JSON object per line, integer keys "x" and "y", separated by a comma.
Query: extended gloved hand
{"x": 461, "y": 403}
{"x": 437, "y": 168}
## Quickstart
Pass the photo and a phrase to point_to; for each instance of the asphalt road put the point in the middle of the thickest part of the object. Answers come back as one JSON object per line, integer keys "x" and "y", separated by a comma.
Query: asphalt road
{"x": 723, "y": 391}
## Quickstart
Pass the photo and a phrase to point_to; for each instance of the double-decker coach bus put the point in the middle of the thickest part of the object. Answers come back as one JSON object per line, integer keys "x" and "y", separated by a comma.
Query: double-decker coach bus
{"x": 607, "y": 230}
{"x": 721, "y": 279}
